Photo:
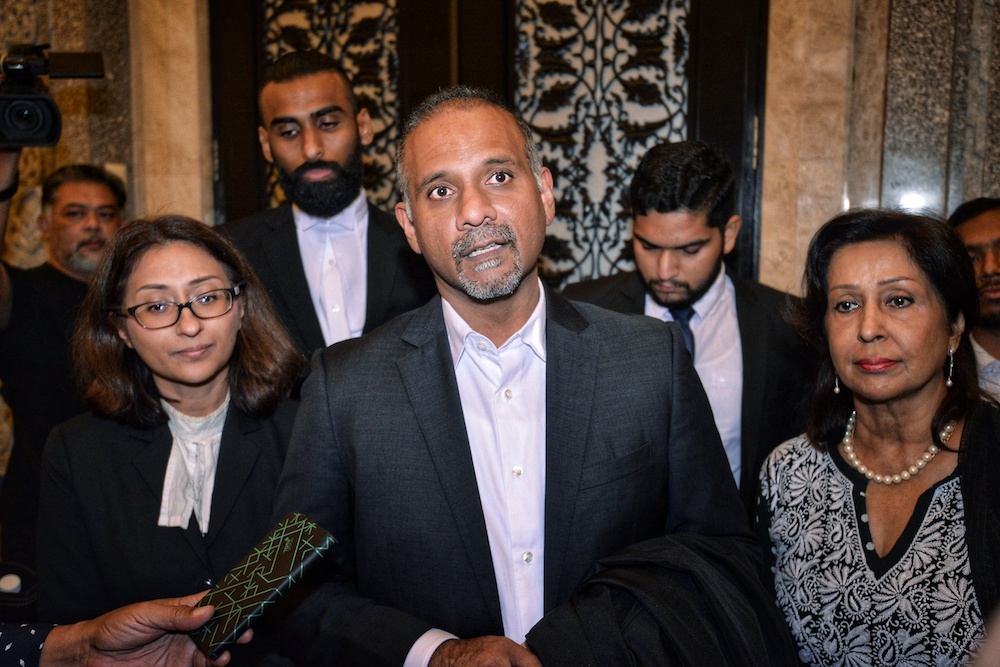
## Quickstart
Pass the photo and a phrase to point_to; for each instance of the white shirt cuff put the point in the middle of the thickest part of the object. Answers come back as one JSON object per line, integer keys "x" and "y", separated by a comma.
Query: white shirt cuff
{"x": 422, "y": 649}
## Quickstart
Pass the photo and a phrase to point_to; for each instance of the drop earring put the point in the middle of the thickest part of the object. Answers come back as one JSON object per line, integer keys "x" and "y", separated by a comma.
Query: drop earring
{"x": 836, "y": 384}
{"x": 951, "y": 366}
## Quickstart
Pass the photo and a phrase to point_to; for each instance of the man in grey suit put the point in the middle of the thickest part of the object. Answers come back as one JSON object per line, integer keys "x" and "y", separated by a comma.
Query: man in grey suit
{"x": 475, "y": 457}
{"x": 334, "y": 265}
{"x": 756, "y": 370}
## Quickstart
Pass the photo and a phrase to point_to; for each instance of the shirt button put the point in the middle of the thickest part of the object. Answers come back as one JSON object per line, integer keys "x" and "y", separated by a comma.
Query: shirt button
{"x": 508, "y": 394}
{"x": 335, "y": 309}
{"x": 864, "y": 517}
{"x": 481, "y": 345}
{"x": 332, "y": 262}
{"x": 207, "y": 583}
{"x": 870, "y": 546}
{"x": 517, "y": 471}
{"x": 527, "y": 556}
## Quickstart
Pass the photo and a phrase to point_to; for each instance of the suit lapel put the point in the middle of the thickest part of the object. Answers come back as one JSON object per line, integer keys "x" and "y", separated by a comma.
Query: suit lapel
{"x": 238, "y": 454}
{"x": 285, "y": 261}
{"x": 753, "y": 339}
{"x": 429, "y": 380}
{"x": 382, "y": 265}
{"x": 633, "y": 295}
{"x": 570, "y": 374}
{"x": 151, "y": 458}
{"x": 151, "y": 462}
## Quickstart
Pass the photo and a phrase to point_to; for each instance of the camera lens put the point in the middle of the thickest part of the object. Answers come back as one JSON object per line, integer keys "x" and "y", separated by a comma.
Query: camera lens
{"x": 28, "y": 119}
{"x": 24, "y": 117}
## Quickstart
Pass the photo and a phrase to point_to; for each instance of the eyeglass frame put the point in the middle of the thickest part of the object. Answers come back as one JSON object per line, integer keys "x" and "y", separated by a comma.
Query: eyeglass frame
{"x": 233, "y": 292}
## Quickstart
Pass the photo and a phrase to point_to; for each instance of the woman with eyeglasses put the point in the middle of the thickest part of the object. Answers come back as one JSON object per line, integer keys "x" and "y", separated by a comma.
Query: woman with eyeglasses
{"x": 169, "y": 480}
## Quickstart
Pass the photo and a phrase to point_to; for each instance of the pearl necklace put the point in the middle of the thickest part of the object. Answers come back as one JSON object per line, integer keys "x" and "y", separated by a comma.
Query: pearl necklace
{"x": 906, "y": 474}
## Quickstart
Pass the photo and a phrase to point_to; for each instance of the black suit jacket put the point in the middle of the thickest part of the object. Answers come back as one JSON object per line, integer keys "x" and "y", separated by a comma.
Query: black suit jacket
{"x": 398, "y": 278}
{"x": 99, "y": 546}
{"x": 39, "y": 386}
{"x": 380, "y": 457}
{"x": 779, "y": 368}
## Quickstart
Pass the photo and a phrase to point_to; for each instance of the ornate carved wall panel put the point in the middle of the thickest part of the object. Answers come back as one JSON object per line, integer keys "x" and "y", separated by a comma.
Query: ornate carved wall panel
{"x": 599, "y": 83}
{"x": 361, "y": 34}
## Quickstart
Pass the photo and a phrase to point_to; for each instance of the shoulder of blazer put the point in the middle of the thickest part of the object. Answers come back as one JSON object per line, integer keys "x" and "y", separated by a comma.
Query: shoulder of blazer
{"x": 87, "y": 434}
{"x": 279, "y": 422}
{"x": 259, "y": 224}
{"x": 623, "y": 292}
{"x": 385, "y": 237}
{"x": 383, "y": 219}
{"x": 409, "y": 331}
{"x": 758, "y": 303}
{"x": 605, "y": 325}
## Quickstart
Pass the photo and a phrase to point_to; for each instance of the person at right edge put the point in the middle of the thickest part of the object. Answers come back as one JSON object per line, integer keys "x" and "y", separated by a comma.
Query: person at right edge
{"x": 880, "y": 521}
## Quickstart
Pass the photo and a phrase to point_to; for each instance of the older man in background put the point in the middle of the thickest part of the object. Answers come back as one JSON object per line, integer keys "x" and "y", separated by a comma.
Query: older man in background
{"x": 81, "y": 208}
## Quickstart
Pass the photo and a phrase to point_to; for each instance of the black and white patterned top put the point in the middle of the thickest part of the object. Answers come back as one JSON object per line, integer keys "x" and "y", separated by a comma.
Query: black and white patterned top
{"x": 21, "y": 644}
{"x": 846, "y": 605}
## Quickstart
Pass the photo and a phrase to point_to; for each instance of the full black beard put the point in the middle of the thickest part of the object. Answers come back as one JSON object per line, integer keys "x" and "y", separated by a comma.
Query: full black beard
{"x": 324, "y": 199}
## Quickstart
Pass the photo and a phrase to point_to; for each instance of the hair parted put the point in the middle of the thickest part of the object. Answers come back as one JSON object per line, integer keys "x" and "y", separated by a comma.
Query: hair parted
{"x": 939, "y": 254}
{"x": 459, "y": 97}
{"x": 684, "y": 176}
{"x": 297, "y": 64}
{"x": 82, "y": 173}
{"x": 973, "y": 208}
{"x": 115, "y": 382}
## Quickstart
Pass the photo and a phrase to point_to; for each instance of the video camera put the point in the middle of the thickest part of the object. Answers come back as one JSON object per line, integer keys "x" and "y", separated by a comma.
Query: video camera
{"x": 28, "y": 114}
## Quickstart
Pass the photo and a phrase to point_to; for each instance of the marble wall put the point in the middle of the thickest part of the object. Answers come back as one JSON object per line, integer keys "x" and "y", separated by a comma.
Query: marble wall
{"x": 875, "y": 103}
{"x": 805, "y": 130}
{"x": 171, "y": 102}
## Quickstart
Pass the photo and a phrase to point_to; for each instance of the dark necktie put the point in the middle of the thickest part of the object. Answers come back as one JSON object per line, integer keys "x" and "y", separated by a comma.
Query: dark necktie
{"x": 682, "y": 316}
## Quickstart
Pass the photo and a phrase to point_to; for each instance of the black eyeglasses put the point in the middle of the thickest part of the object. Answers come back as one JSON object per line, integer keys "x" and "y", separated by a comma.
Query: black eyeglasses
{"x": 162, "y": 314}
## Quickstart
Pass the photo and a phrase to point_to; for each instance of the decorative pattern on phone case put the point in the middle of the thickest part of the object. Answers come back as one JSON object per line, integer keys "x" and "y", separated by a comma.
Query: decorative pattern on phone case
{"x": 277, "y": 563}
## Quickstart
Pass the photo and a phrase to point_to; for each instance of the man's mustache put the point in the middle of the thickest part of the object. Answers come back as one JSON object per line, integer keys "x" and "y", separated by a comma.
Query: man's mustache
{"x": 480, "y": 236}
{"x": 671, "y": 283}
{"x": 306, "y": 167}
{"x": 91, "y": 239}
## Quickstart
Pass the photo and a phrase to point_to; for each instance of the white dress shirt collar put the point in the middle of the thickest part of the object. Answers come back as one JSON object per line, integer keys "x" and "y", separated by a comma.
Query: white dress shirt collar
{"x": 353, "y": 217}
{"x": 989, "y": 369}
{"x": 532, "y": 333}
{"x": 983, "y": 358}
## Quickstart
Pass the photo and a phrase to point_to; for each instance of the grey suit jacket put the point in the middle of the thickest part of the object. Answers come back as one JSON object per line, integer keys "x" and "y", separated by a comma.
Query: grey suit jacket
{"x": 381, "y": 458}
{"x": 779, "y": 368}
{"x": 398, "y": 278}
